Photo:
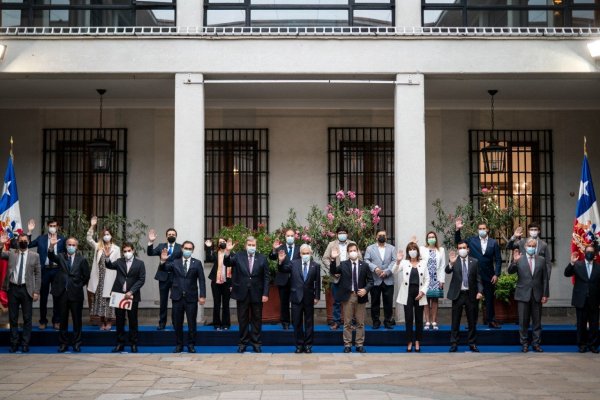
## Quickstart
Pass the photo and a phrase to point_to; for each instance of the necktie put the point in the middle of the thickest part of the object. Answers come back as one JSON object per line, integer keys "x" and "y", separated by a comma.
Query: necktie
{"x": 170, "y": 250}
{"x": 250, "y": 262}
{"x": 290, "y": 252}
{"x": 465, "y": 274}
{"x": 21, "y": 268}
{"x": 185, "y": 266}
{"x": 305, "y": 271}
{"x": 354, "y": 278}
{"x": 530, "y": 259}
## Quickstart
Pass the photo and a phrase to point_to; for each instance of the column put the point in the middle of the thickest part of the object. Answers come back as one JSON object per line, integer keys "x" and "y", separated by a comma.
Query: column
{"x": 410, "y": 200}
{"x": 190, "y": 13}
{"x": 408, "y": 13}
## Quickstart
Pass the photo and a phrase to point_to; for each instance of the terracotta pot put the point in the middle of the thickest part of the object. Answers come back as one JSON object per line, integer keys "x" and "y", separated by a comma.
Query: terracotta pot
{"x": 506, "y": 312}
{"x": 329, "y": 305}
{"x": 271, "y": 311}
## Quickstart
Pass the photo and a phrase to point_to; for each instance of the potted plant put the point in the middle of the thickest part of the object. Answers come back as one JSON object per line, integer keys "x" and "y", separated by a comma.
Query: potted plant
{"x": 505, "y": 304}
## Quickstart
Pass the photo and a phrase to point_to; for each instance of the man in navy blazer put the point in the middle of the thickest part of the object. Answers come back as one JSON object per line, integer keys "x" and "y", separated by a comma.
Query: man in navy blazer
{"x": 189, "y": 289}
{"x": 282, "y": 279}
{"x": 586, "y": 297}
{"x": 487, "y": 252}
{"x": 131, "y": 275}
{"x": 49, "y": 268}
{"x": 305, "y": 282}
{"x": 164, "y": 278}
{"x": 250, "y": 288}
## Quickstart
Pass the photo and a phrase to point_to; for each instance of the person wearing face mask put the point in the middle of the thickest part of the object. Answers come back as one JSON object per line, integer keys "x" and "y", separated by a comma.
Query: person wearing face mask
{"x": 305, "y": 280}
{"x": 67, "y": 289}
{"x": 381, "y": 258}
{"x": 22, "y": 283}
{"x": 487, "y": 252}
{"x": 465, "y": 291}
{"x": 250, "y": 288}
{"x": 131, "y": 276}
{"x": 356, "y": 281}
{"x": 101, "y": 279}
{"x": 189, "y": 290}
{"x": 414, "y": 283}
{"x": 282, "y": 279}
{"x": 49, "y": 269}
{"x": 341, "y": 246}
{"x": 517, "y": 241}
{"x": 586, "y": 297}
{"x": 533, "y": 290}
{"x": 434, "y": 257}
{"x": 164, "y": 278}
{"x": 220, "y": 284}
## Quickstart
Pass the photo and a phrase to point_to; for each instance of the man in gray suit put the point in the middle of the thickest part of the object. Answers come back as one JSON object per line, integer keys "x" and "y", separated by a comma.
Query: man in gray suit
{"x": 532, "y": 291}
{"x": 22, "y": 283}
{"x": 381, "y": 258}
{"x": 518, "y": 242}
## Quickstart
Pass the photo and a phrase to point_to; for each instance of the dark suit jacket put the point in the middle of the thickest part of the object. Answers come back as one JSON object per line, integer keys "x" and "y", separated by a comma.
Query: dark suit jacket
{"x": 302, "y": 290}
{"x": 164, "y": 276}
{"x": 365, "y": 279}
{"x": 475, "y": 285}
{"x": 243, "y": 283}
{"x": 32, "y": 273}
{"x": 584, "y": 288}
{"x": 538, "y": 284}
{"x": 41, "y": 242}
{"x": 185, "y": 286}
{"x": 212, "y": 257}
{"x": 135, "y": 278}
{"x": 71, "y": 278}
{"x": 490, "y": 262}
{"x": 282, "y": 278}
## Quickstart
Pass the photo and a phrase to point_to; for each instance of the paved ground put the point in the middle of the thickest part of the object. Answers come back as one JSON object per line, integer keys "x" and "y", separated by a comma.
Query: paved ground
{"x": 289, "y": 376}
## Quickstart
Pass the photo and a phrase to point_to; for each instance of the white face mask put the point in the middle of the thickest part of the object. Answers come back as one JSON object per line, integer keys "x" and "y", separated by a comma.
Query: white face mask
{"x": 463, "y": 253}
{"x": 482, "y": 233}
{"x": 353, "y": 255}
{"x": 107, "y": 238}
{"x": 52, "y": 230}
{"x": 305, "y": 258}
{"x": 533, "y": 233}
{"x": 289, "y": 240}
{"x": 251, "y": 250}
{"x": 128, "y": 255}
{"x": 413, "y": 253}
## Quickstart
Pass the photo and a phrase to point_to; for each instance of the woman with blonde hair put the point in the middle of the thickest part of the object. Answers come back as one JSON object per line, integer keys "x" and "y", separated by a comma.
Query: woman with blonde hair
{"x": 102, "y": 279}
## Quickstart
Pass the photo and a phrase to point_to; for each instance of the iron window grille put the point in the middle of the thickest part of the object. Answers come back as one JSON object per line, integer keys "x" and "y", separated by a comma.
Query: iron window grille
{"x": 528, "y": 178}
{"x": 362, "y": 160}
{"x": 68, "y": 181}
{"x": 237, "y": 179}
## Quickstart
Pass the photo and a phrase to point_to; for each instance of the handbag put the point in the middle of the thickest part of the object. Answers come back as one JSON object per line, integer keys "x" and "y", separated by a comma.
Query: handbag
{"x": 435, "y": 293}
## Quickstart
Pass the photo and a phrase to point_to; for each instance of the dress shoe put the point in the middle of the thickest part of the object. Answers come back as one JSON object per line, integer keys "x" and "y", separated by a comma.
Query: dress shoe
{"x": 257, "y": 349}
{"x": 334, "y": 326}
{"x": 178, "y": 349}
{"x": 347, "y": 349}
{"x": 308, "y": 349}
{"x": 409, "y": 349}
{"x": 56, "y": 326}
{"x": 62, "y": 348}
{"x": 473, "y": 348}
{"x": 388, "y": 325}
{"x": 494, "y": 325}
{"x": 376, "y": 324}
{"x": 160, "y": 327}
{"x": 299, "y": 350}
{"x": 12, "y": 349}
{"x": 241, "y": 349}
{"x": 191, "y": 348}
{"x": 453, "y": 348}
{"x": 42, "y": 327}
{"x": 134, "y": 348}
{"x": 582, "y": 349}
{"x": 538, "y": 349}
{"x": 525, "y": 349}
{"x": 77, "y": 348}
{"x": 285, "y": 325}
{"x": 118, "y": 348}
{"x": 594, "y": 350}
{"x": 361, "y": 349}
{"x": 225, "y": 328}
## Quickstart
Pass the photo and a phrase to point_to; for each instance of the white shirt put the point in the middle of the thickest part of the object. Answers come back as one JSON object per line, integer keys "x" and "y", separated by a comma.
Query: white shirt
{"x": 55, "y": 250}
{"x": 343, "y": 251}
{"x": 381, "y": 251}
{"x": 16, "y": 271}
{"x": 483, "y": 244}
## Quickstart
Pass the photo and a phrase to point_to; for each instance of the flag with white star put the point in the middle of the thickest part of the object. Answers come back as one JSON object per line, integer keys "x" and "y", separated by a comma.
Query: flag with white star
{"x": 10, "y": 214}
{"x": 586, "y": 228}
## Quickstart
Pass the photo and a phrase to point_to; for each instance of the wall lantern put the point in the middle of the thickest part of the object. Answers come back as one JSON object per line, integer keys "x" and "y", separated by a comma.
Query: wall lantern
{"x": 100, "y": 149}
{"x": 494, "y": 155}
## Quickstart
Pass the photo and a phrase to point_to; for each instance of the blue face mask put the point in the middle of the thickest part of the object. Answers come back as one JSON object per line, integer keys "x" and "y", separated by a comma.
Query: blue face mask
{"x": 71, "y": 250}
{"x": 482, "y": 233}
{"x": 251, "y": 250}
{"x": 289, "y": 239}
{"x": 342, "y": 237}
{"x": 305, "y": 258}
{"x": 187, "y": 253}
{"x": 530, "y": 250}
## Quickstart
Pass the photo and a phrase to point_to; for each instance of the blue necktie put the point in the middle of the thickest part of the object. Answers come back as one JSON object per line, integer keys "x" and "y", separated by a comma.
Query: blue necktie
{"x": 305, "y": 271}
{"x": 465, "y": 273}
{"x": 170, "y": 250}
{"x": 290, "y": 252}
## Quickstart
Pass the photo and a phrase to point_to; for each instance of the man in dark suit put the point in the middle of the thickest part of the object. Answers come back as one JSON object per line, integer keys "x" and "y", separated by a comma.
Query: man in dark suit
{"x": 220, "y": 284}
{"x": 518, "y": 242}
{"x": 487, "y": 252}
{"x": 189, "y": 289}
{"x": 22, "y": 284}
{"x": 465, "y": 291}
{"x": 250, "y": 288}
{"x": 305, "y": 281}
{"x": 355, "y": 282}
{"x": 164, "y": 278}
{"x": 67, "y": 288}
{"x": 49, "y": 269}
{"x": 282, "y": 279}
{"x": 131, "y": 275}
{"x": 586, "y": 297}
{"x": 532, "y": 291}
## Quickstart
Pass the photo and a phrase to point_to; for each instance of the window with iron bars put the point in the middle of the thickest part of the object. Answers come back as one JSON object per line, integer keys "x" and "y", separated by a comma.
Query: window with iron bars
{"x": 362, "y": 160}
{"x": 237, "y": 179}
{"x": 68, "y": 181}
{"x": 527, "y": 178}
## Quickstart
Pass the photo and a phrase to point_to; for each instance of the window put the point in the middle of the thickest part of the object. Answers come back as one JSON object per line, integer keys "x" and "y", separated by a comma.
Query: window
{"x": 237, "y": 178}
{"x": 68, "y": 181}
{"x": 528, "y": 179}
{"x": 298, "y": 13}
{"x": 362, "y": 160}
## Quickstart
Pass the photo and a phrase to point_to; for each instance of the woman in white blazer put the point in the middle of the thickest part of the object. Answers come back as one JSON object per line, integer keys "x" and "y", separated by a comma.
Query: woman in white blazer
{"x": 101, "y": 278}
{"x": 434, "y": 258}
{"x": 414, "y": 281}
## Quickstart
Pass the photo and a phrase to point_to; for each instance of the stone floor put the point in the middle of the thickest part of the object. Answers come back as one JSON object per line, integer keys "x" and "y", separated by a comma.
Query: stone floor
{"x": 290, "y": 376}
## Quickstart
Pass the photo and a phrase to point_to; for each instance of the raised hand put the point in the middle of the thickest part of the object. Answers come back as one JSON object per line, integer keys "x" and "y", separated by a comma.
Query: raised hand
{"x": 265, "y": 299}
{"x": 152, "y": 235}
{"x": 94, "y": 221}
{"x": 452, "y": 256}
{"x": 458, "y": 222}
{"x": 230, "y": 245}
{"x": 335, "y": 253}
{"x": 414, "y": 239}
{"x": 3, "y": 238}
{"x": 281, "y": 256}
{"x": 164, "y": 255}
{"x": 208, "y": 243}
{"x": 516, "y": 254}
{"x": 276, "y": 244}
{"x": 400, "y": 255}
{"x": 519, "y": 232}
{"x": 30, "y": 225}
{"x": 574, "y": 258}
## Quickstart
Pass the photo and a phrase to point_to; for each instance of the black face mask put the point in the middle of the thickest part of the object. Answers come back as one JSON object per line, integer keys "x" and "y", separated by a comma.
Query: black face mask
{"x": 23, "y": 245}
{"x": 589, "y": 255}
{"x": 223, "y": 245}
{"x": 171, "y": 239}
{"x": 381, "y": 239}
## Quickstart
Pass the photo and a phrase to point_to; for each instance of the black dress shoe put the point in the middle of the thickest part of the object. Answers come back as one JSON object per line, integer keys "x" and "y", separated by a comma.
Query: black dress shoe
{"x": 361, "y": 349}
{"x": 474, "y": 348}
{"x": 388, "y": 325}
{"x": 178, "y": 349}
{"x": 241, "y": 348}
{"x": 25, "y": 348}
{"x": 538, "y": 349}
{"x": 347, "y": 349}
{"x": 299, "y": 350}
{"x": 582, "y": 349}
{"x": 12, "y": 349}
{"x": 494, "y": 325}
{"x": 191, "y": 348}
{"x": 77, "y": 348}
{"x": 376, "y": 324}
{"x": 334, "y": 326}
{"x": 308, "y": 349}
{"x": 417, "y": 350}
{"x": 285, "y": 325}
{"x": 525, "y": 349}
{"x": 134, "y": 348}
{"x": 118, "y": 348}
{"x": 453, "y": 348}
{"x": 594, "y": 350}
{"x": 160, "y": 327}
{"x": 62, "y": 348}
{"x": 257, "y": 349}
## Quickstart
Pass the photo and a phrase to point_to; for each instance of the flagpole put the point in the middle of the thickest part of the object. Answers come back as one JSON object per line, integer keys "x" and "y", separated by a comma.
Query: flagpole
{"x": 584, "y": 146}
{"x": 11, "y": 147}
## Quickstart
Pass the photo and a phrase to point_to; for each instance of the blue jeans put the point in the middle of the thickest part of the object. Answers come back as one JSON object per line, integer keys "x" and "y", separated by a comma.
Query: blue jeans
{"x": 337, "y": 306}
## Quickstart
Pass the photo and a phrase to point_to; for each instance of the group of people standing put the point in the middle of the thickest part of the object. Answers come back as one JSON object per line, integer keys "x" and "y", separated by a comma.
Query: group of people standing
{"x": 58, "y": 268}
